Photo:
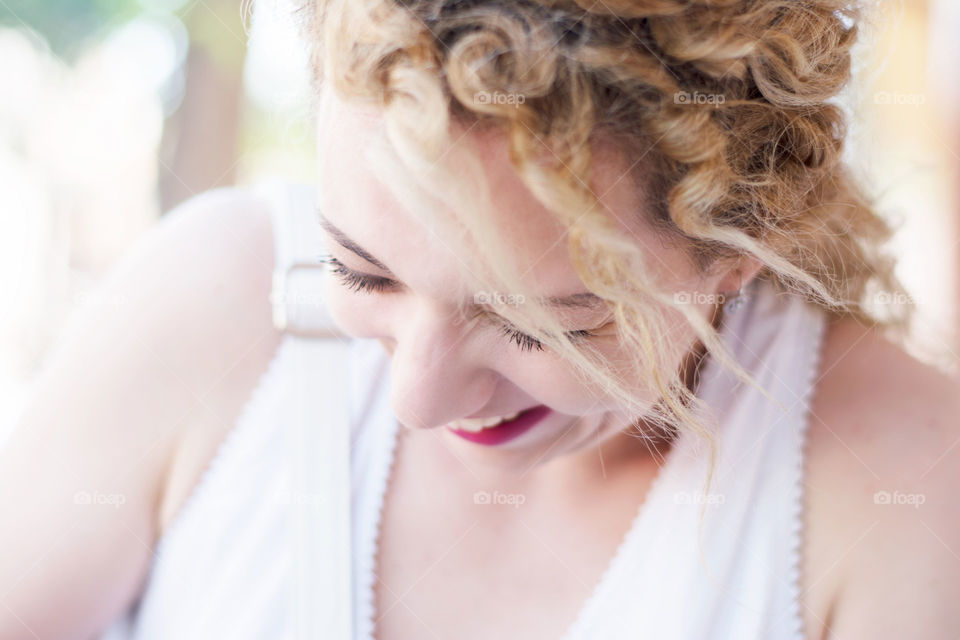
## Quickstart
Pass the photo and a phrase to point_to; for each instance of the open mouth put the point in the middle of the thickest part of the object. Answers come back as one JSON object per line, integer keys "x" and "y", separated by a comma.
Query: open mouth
{"x": 500, "y": 430}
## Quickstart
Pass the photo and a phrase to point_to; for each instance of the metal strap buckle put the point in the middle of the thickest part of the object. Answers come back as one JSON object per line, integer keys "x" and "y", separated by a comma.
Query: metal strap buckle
{"x": 279, "y": 301}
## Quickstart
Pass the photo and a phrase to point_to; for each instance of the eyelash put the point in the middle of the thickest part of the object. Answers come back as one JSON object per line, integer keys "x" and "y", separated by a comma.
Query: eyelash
{"x": 373, "y": 284}
{"x": 355, "y": 281}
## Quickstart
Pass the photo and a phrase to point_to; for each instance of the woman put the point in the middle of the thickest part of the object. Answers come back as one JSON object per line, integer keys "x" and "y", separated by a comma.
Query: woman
{"x": 616, "y": 369}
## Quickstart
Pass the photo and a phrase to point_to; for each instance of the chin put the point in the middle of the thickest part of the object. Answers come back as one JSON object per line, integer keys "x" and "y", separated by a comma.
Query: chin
{"x": 507, "y": 463}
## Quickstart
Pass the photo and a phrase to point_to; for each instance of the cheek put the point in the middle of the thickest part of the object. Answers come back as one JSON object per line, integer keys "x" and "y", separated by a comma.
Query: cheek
{"x": 544, "y": 378}
{"x": 357, "y": 314}
{"x": 551, "y": 381}
{"x": 676, "y": 341}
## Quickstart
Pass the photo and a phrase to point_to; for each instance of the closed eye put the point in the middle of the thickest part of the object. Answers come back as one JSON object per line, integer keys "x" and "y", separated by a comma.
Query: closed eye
{"x": 366, "y": 283}
{"x": 527, "y": 342}
{"x": 354, "y": 280}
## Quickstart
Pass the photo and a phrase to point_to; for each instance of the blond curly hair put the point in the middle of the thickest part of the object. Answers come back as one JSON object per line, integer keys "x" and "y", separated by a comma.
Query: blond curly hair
{"x": 723, "y": 109}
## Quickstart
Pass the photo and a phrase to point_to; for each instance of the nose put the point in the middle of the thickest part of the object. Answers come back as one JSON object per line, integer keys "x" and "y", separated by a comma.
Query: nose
{"x": 437, "y": 371}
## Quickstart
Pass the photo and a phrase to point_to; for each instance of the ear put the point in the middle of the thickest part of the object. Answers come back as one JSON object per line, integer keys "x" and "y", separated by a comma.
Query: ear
{"x": 739, "y": 273}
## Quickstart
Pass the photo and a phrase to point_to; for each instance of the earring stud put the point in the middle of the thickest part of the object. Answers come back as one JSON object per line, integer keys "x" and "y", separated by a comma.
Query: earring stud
{"x": 735, "y": 302}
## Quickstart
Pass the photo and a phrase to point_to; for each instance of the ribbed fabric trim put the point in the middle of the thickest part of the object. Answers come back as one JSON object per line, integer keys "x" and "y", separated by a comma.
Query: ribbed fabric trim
{"x": 680, "y": 449}
{"x": 241, "y": 426}
{"x": 815, "y": 357}
{"x": 615, "y": 567}
{"x": 382, "y": 468}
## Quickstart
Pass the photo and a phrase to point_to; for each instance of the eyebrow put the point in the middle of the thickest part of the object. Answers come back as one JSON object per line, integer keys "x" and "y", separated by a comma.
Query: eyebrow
{"x": 344, "y": 241}
{"x": 585, "y": 300}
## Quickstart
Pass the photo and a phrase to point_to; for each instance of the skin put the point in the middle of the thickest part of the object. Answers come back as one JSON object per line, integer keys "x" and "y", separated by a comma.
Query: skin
{"x": 579, "y": 465}
{"x": 444, "y": 370}
{"x": 881, "y": 421}
{"x": 142, "y": 387}
{"x": 141, "y": 392}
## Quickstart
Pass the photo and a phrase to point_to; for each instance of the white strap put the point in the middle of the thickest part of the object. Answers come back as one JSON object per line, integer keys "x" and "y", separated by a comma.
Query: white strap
{"x": 322, "y": 593}
{"x": 297, "y": 296}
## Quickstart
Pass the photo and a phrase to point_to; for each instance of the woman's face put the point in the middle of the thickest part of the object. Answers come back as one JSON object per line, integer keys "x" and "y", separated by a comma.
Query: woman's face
{"x": 442, "y": 369}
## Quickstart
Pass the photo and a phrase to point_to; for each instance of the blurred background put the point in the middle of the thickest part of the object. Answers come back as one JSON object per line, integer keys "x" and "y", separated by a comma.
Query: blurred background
{"x": 114, "y": 111}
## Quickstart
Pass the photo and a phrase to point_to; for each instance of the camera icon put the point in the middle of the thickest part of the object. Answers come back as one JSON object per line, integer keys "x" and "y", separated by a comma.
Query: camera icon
{"x": 481, "y": 497}
{"x": 481, "y": 97}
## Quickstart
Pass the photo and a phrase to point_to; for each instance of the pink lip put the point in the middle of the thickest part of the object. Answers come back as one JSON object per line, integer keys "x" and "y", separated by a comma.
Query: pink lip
{"x": 506, "y": 431}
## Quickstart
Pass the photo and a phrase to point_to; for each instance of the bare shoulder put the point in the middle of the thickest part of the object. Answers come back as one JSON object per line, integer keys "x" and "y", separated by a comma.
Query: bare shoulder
{"x": 229, "y": 234}
{"x": 882, "y": 544}
{"x": 161, "y": 355}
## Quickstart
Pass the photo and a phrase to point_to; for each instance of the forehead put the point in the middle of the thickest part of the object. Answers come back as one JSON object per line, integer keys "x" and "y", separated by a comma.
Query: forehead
{"x": 365, "y": 208}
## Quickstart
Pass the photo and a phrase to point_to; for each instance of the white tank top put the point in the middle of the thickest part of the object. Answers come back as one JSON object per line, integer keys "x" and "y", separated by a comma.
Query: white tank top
{"x": 221, "y": 569}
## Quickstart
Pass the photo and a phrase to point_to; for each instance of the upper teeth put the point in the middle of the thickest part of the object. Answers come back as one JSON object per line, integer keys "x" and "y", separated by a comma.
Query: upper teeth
{"x": 481, "y": 423}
